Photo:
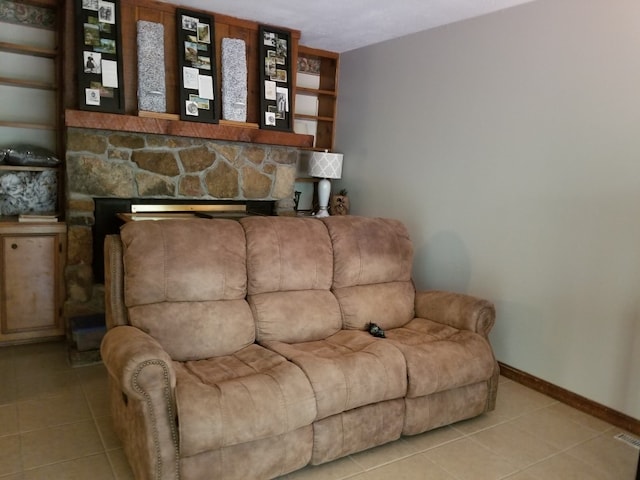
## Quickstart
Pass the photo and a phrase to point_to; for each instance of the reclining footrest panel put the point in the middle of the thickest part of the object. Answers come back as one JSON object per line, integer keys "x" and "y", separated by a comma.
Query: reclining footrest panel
{"x": 261, "y": 459}
{"x": 357, "y": 430}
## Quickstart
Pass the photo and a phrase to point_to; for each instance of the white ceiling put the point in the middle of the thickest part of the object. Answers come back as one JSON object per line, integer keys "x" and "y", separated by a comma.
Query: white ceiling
{"x": 342, "y": 25}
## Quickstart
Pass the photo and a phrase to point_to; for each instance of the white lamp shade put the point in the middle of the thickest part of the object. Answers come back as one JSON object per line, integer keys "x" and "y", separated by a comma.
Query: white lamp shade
{"x": 325, "y": 165}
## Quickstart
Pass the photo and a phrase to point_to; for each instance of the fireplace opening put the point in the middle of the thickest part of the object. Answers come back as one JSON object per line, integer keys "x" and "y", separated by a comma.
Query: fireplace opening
{"x": 111, "y": 213}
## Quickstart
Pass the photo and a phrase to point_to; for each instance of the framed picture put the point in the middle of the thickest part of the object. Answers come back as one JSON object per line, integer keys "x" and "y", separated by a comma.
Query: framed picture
{"x": 99, "y": 56}
{"x": 275, "y": 78}
{"x": 197, "y": 67}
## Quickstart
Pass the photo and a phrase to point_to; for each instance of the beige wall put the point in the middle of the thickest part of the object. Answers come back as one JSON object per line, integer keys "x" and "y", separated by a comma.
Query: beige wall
{"x": 510, "y": 145}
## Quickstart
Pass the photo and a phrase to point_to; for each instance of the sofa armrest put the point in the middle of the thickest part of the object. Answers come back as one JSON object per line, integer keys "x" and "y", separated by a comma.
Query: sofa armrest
{"x": 127, "y": 351}
{"x": 142, "y": 388}
{"x": 456, "y": 310}
{"x": 115, "y": 311}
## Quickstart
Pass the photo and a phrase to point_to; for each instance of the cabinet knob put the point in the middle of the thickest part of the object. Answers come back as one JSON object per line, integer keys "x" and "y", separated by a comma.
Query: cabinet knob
{"x": 14, "y": 246}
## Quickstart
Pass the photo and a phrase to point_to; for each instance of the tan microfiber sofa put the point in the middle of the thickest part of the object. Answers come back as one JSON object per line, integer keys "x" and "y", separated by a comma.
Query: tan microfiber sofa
{"x": 239, "y": 350}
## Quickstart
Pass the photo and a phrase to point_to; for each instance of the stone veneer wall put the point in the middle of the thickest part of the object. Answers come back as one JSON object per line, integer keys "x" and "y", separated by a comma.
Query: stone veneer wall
{"x": 132, "y": 165}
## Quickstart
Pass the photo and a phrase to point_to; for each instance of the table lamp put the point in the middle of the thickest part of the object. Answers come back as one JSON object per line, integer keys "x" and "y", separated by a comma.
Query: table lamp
{"x": 325, "y": 165}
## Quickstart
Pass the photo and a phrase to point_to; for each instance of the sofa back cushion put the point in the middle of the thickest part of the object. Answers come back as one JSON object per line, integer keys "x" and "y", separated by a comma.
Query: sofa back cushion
{"x": 290, "y": 271}
{"x": 185, "y": 284}
{"x": 372, "y": 271}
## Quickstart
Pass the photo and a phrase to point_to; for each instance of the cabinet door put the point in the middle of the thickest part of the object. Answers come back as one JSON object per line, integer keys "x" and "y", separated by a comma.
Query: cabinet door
{"x": 28, "y": 287}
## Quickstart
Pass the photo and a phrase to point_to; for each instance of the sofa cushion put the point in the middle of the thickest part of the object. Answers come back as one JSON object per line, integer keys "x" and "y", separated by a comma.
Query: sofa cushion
{"x": 250, "y": 395}
{"x": 369, "y": 250}
{"x": 372, "y": 271}
{"x": 188, "y": 289}
{"x": 194, "y": 330}
{"x": 388, "y": 305}
{"x": 348, "y": 370}
{"x": 293, "y": 317}
{"x": 440, "y": 357}
{"x": 290, "y": 269}
{"x": 286, "y": 254}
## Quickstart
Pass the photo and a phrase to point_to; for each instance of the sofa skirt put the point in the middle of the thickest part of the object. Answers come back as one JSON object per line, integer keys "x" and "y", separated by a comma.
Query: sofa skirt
{"x": 444, "y": 408}
{"x": 356, "y": 430}
{"x": 260, "y": 459}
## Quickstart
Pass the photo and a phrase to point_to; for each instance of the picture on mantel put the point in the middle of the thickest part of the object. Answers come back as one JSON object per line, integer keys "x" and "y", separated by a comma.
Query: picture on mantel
{"x": 99, "y": 56}
{"x": 275, "y": 76}
{"x": 197, "y": 67}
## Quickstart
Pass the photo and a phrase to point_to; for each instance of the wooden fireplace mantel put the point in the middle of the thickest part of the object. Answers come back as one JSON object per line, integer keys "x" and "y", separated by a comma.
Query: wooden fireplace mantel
{"x": 162, "y": 126}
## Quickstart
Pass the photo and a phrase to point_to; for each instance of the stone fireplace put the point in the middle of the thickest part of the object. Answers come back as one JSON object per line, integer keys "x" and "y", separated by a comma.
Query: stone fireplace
{"x": 116, "y": 164}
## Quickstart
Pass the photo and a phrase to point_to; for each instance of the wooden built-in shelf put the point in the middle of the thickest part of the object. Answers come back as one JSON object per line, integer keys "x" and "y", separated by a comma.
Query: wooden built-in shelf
{"x": 14, "y": 82}
{"x": 162, "y": 126}
{"x": 315, "y": 92}
{"x": 28, "y": 50}
{"x": 304, "y": 116}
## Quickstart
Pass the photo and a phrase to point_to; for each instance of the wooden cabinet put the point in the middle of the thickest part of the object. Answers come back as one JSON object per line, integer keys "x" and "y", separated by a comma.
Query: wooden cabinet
{"x": 31, "y": 285}
{"x": 317, "y": 95}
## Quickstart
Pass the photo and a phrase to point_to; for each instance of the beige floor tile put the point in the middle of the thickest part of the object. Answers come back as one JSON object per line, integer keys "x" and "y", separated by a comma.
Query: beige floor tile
{"x": 564, "y": 467}
{"x": 92, "y": 377}
{"x": 433, "y": 438}
{"x": 41, "y": 359}
{"x": 468, "y": 460}
{"x": 120, "y": 465}
{"x": 481, "y": 422}
{"x": 95, "y": 467}
{"x": 615, "y": 459}
{"x": 109, "y": 438}
{"x": 10, "y": 455}
{"x": 57, "y": 444}
{"x": 579, "y": 417}
{"x": 553, "y": 427}
{"x": 521, "y": 476}
{"x": 98, "y": 399}
{"x": 389, "y": 452}
{"x": 9, "y": 390}
{"x": 48, "y": 385}
{"x": 416, "y": 467}
{"x": 519, "y": 447}
{"x": 8, "y": 419}
{"x": 52, "y": 411}
{"x": 514, "y": 400}
{"x": 336, "y": 470}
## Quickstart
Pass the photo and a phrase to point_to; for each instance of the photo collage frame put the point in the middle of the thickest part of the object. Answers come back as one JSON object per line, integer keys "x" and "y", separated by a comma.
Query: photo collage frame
{"x": 197, "y": 67}
{"x": 99, "y": 47}
{"x": 275, "y": 78}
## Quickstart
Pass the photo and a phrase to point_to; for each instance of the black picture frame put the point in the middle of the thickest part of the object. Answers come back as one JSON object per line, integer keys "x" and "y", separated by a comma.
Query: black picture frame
{"x": 275, "y": 79}
{"x": 199, "y": 99}
{"x": 99, "y": 56}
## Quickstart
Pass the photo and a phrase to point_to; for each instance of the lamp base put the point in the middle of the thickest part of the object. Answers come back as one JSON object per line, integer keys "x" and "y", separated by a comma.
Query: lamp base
{"x": 322, "y": 213}
{"x": 324, "y": 189}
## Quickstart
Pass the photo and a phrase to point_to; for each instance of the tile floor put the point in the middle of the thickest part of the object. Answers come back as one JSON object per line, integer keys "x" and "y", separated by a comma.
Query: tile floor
{"x": 55, "y": 424}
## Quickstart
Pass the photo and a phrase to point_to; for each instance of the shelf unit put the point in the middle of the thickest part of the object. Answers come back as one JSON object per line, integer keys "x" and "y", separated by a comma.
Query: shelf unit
{"x": 30, "y": 85}
{"x": 324, "y": 91}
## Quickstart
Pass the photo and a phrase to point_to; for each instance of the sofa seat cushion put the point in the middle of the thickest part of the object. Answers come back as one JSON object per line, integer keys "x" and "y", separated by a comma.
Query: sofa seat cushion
{"x": 440, "y": 357}
{"x": 348, "y": 369}
{"x": 253, "y": 394}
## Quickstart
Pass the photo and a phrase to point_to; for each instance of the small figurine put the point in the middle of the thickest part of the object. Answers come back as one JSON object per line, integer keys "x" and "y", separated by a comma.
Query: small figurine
{"x": 340, "y": 203}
